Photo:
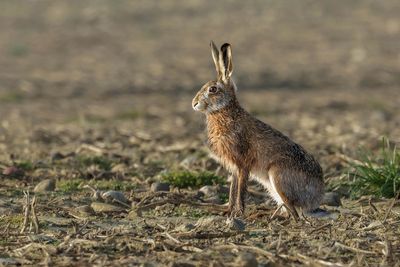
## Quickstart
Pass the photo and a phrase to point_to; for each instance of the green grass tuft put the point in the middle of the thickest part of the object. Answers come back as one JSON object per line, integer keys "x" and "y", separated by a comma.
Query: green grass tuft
{"x": 71, "y": 185}
{"x": 379, "y": 176}
{"x": 19, "y": 49}
{"x": 113, "y": 185}
{"x": 185, "y": 179}
{"x": 86, "y": 161}
{"x": 11, "y": 97}
{"x": 26, "y": 165}
{"x": 128, "y": 115}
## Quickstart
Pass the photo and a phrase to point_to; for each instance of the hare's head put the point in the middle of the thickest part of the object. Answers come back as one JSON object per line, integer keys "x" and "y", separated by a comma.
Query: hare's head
{"x": 217, "y": 94}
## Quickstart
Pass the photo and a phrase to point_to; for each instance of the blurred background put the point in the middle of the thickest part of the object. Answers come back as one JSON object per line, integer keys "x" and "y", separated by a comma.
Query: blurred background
{"x": 121, "y": 74}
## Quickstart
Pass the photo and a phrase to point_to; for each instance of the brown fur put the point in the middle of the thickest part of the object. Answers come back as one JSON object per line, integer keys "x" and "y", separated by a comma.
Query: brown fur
{"x": 248, "y": 147}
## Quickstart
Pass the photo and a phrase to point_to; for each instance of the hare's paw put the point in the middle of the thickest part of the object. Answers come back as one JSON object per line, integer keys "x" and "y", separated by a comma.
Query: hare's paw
{"x": 236, "y": 212}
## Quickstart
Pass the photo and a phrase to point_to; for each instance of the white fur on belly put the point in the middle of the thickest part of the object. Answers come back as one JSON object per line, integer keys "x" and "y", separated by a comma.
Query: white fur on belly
{"x": 269, "y": 184}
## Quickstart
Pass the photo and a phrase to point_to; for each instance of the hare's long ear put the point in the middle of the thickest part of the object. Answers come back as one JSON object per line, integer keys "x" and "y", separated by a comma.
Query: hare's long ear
{"x": 226, "y": 61}
{"x": 215, "y": 55}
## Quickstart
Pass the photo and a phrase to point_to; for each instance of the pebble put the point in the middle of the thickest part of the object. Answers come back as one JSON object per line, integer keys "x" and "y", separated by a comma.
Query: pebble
{"x": 57, "y": 221}
{"x": 158, "y": 186}
{"x": 236, "y": 224}
{"x": 185, "y": 227}
{"x": 8, "y": 261}
{"x": 84, "y": 210}
{"x": 46, "y": 185}
{"x": 189, "y": 161}
{"x": 246, "y": 260}
{"x": 57, "y": 156}
{"x": 181, "y": 264}
{"x": 121, "y": 168}
{"x": 110, "y": 196}
{"x": 209, "y": 221}
{"x": 208, "y": 191}
{"x": 104, "y": 207}
{"x": 331, "y": 199}
{"x": 13, "y": 171}
{"x": 214, "y": 200}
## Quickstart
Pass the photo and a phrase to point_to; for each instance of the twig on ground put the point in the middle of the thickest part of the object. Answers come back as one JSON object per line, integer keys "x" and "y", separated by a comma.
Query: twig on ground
{"x": 388, "y": 251}
{"x": 199, "y": 235}
{"x": 310, "y": 261}
{"x": 27, "y": 211}
{"x": 347, "y": 159}
{"x": 290, "y": 211}
{"x": 172, "y": 238}
{"x": 357, "y": 250}
{"x": 391, "y": 207}
{"x": 254, "y": 249}
{"x": 89, "y": 147}
{"x": 276, "y": 211}
{"x": 328, "y": 225}
{"x": 34, "y": 216}
{"x": 141, "y": 208}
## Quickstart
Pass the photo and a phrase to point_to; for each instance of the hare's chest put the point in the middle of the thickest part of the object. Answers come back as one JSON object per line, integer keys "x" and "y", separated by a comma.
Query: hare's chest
{"x": 223, "y": 150}
{"x": 221, "y": 145}
{"x": 226, "y": 163}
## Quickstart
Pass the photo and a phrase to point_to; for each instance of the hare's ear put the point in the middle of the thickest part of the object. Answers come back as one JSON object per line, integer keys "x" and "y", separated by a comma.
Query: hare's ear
{"x": 215, "y": 55}
{"x": 226, "y": 61}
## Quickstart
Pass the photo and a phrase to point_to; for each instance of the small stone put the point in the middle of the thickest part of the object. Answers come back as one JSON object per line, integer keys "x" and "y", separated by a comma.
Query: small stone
{"x": 41, "y": 239}
{"x": 158, "y": 186}
{"x": 189, "y": 161}
{"x": 13, "y": 171}
{"x": 222, "y": 189}
{"x": 185, "y": 227}
{"x": 45, "y": 186}
{"x": 134, "y": 214}
{"x": 57, "y": 156}
{"x": 373, "y": 225}
{"x": 84, "y": 210}
{"x": 331, "y": 199}
{"x": 56, "y": 221}
{"x": 105, "y": 207}
{"x": 209, "y": 222}
{"x": 213, "y": 200}
{"x": 246, "y": 260}
{"x": 208, "y": 191}
{"x": 121, "y": 168}
{"x": 181, "y": 264}
{"x": 8, "y": 261}
{"x": 114, "y": 196}
{"x": 236, "y": 224}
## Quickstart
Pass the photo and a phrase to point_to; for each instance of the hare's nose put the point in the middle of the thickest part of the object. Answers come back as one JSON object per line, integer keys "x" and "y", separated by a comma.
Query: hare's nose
{"x": 195, "y": 104}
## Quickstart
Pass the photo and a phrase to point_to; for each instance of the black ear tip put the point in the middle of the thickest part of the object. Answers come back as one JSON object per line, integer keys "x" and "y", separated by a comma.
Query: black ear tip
{"x": 225, "y": 46}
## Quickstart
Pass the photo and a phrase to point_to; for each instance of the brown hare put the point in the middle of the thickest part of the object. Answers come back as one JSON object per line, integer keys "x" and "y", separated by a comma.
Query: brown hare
{"x": 249, "y": 148}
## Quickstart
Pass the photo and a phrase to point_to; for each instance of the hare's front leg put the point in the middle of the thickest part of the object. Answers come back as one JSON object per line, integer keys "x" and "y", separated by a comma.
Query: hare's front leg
{"x": 238, "y": 195}
{"x": 232, "y": 194}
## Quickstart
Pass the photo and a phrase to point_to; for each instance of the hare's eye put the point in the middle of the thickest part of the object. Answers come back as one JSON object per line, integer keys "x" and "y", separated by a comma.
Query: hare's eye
{"x": 213, "y": 89}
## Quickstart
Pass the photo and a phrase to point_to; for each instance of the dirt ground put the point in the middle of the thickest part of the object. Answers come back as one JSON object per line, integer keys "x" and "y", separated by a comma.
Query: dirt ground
{"x": 98, "y": 93}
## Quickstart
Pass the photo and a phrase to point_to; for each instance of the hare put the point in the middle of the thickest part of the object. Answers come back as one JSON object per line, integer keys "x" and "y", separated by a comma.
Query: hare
{"x": 252, "y": 149}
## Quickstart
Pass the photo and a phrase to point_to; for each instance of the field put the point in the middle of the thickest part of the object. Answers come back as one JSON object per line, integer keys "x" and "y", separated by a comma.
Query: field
{"x": 96, "y": 96}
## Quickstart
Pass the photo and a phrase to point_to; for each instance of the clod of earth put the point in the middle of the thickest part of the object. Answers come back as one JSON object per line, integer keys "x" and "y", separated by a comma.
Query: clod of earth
{"x": 45, "y": 186}
{"x": 160, "y": 187}
{"x": 331, "y": 199}
{"x": 100, "y": 207}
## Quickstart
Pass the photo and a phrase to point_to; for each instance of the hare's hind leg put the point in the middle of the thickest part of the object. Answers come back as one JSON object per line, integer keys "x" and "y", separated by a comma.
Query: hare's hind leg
{"x": 284, "y": 203}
